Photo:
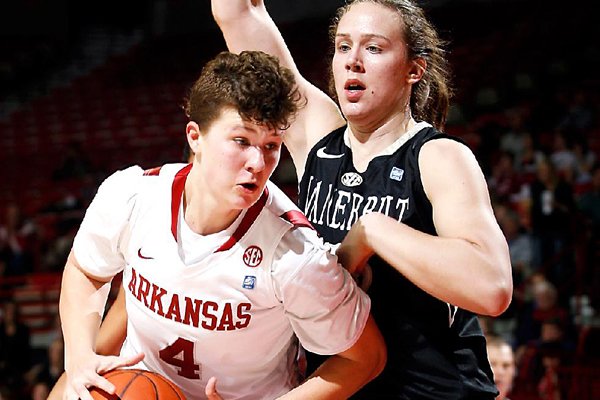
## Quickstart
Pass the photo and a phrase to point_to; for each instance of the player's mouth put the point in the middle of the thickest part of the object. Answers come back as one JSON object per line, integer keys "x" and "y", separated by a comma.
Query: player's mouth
{"x": 353, "y": 89}
{"x": 249, "y": 187}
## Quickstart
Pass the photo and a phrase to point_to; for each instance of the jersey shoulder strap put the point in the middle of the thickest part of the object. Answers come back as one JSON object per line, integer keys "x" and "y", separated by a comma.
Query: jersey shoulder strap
{"x": 152, "y": 171}
{"x": 296, "y": 218}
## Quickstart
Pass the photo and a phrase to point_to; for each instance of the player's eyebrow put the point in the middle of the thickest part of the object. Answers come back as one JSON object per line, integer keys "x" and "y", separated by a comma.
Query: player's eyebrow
{"x": 364, "y": 36}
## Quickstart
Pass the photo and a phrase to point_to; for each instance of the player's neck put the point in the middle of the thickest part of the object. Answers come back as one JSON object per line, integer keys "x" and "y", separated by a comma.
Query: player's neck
{"x": 369, "y": 143}
{"x": 203, "y": 214}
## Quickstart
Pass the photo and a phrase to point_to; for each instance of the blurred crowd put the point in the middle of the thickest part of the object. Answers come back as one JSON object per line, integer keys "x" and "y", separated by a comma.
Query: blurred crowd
{"x": 540, "y": 153}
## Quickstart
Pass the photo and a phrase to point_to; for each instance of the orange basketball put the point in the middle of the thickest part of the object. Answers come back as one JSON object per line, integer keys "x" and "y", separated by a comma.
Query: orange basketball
{"x": 138, "y": 384}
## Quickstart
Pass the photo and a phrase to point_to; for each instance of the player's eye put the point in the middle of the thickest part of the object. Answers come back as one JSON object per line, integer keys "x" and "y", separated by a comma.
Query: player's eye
{"x": 373, "y": 49}
{"x": 343, "y": 47}
{"x": 272, "y": 146}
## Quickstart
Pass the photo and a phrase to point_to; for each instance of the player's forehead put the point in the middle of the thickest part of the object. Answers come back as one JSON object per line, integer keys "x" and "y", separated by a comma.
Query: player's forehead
{"x": 230, "y": 120}
{"x": 370, "y": 20}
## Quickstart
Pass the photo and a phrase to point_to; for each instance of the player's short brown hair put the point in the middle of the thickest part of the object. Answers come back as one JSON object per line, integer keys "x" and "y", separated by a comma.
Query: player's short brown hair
{"x": 252, "y": 82}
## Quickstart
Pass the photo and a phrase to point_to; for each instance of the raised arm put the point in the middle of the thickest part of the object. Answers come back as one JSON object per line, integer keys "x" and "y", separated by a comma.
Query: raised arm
{"x": 246, "y": 25}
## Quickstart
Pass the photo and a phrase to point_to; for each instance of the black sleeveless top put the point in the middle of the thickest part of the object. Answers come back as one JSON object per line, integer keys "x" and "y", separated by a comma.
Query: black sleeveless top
{"x": 435, "y": 350}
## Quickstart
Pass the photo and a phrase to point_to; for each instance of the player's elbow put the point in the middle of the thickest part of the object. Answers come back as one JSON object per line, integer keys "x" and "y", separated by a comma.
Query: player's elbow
{"x": 379, "y": 362}
{"x": 499, "y": 298}
{"x": 377, "y": 356}
{"x": 373, "y": 351}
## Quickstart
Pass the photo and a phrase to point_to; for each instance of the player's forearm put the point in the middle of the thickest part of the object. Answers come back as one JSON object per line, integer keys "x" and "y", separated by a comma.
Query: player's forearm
{"x": 343, "y": 374}
{"x": 81, "y": 306}
{"x": 228, "y": 10}
{"x": 337, "y": 378}
{"x": 442, "y": 266}
{"x": 114, "y": 328}
{"x": 247, "y": 25}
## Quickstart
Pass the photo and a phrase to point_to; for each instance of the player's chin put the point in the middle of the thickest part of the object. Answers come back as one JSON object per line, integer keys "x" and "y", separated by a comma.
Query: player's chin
{"x": 248, "y": 194}
{"x": 355, "y": 111}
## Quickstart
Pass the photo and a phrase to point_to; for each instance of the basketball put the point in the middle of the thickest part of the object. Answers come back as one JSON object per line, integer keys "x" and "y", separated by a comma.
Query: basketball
{"x": 137, "y": 384}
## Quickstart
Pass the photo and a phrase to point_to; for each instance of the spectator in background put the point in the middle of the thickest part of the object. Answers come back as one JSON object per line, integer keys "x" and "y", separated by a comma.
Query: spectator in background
{"x": 546, "y": 307}
{"x": 50, "y": 368}
{"x": 580, "y": 113}
{"x": 18, "y": 238}
{"x": 549, "y": 385}
{"x": 58, "y": 249}
{"x": 585, "y": 162}
{"x": 5, "y": 286}
{"x": 502, "y": 360}
{"x": 540, "y": 318}
{"x": 588, "y": 204}
{"x": 552, "y": 207}
{"x": 531, "y": 156}
{"x": 562, "y": 156}
{"x": 15, "y": 346}
{"x": 504, "y": 182}
{"x": 553, "y": 350}
{"x": 513, "y": 141}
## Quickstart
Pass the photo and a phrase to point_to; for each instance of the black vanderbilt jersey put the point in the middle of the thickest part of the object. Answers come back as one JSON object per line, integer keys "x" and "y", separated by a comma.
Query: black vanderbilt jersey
{"x": 435, "y": 351}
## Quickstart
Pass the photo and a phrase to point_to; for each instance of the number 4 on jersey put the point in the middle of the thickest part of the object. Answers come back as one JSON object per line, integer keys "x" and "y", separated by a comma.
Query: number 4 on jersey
{"x": 181, "y": 355}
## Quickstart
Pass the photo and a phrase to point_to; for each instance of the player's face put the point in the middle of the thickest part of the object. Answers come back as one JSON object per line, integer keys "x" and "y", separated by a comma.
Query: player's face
{"x": 236, "y": 158}
{"x": 503, "y": 365}
{"x": 370, "y": 65}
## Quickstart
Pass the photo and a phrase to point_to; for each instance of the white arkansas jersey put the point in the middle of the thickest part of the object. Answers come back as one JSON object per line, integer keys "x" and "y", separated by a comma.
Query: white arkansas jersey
{"x": 237, "y": 312}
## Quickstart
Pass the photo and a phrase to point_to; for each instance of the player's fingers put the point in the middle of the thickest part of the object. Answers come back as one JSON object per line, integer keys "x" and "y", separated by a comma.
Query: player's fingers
{"x": 132, "y": 360}
{"x": 100, "y": 383}
{"x": 211, "y": 390}
{"x": 84, "y": 395}
{"x": 77, "y": 387}
{"x": 69, "y": 394}
{"x": 80, "y": 392}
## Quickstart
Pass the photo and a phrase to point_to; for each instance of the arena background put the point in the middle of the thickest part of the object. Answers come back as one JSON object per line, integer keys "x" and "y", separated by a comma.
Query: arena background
{"x": 90, "y": 87}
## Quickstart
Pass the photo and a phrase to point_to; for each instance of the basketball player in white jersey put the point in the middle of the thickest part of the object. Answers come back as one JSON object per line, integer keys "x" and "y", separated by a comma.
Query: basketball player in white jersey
{"x": 223, "y": 275}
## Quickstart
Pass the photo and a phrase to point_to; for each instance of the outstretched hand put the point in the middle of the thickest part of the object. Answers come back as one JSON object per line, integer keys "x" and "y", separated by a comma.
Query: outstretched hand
{"x": 211, "y": 390}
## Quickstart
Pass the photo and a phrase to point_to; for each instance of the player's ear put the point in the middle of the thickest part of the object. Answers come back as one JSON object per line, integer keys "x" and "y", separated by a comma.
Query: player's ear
{"x": 192, "y": 132}
{"x": 419, "y": 65}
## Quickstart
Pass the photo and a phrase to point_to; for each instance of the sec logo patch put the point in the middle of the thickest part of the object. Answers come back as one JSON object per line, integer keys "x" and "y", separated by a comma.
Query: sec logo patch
{"x": 253, "y": 256}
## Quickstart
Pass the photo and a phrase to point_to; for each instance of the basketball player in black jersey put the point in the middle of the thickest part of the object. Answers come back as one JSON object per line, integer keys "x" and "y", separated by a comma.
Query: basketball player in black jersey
{"x": 408, "y": 204}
